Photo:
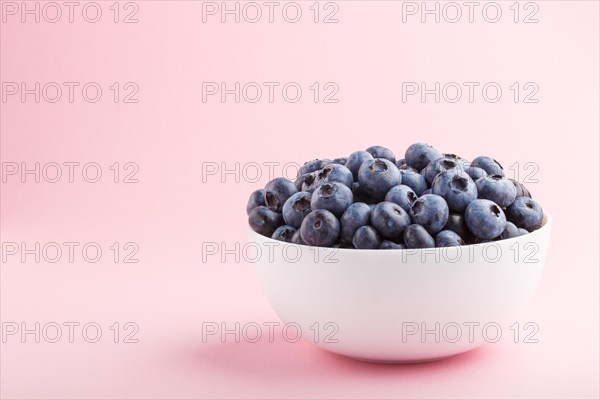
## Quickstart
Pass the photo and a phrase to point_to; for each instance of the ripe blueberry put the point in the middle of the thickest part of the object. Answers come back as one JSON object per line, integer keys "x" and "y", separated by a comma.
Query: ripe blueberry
{"x": 521, "y": 189}
{"x": 390, "y": 220}
{"x": 334, "y": 197}
{"x": 312, "y": 166}
{"x": 377, "y": 176}
{"x": 355, "y": 160}
{"x": 437, "y": 166}
{"x": 320, "y": 228}
{"x": 489, "y": 165}
{"x": 525, "y": 213}
{"x": 456, "y": 187}
{"x": 448, "y": 239}
{"x": 431, "y": 211}
{"x": 417, "y": 237}
{"x": 510, "y": 231}
{"x": 413, "y": 180}
{"x": 334, "y": 173}
{"x": 418, "y": 155}
{"x": 464, "y": 163}
{"x": 296, "y": 208}
{"x": 475, "y": 173}
{"x": 382, "y": 152}
{"x": 257, "y": 198}
{"x": 355, "y": 216}
{"x": 497, "y": 189}
{"x": 264, "y": 221}
{"x": 284, "y": 233}
{"x": 306, "y": 179}
{"x": 277, "y": 192}
{"x": 388, "y": 245}
{"x": 485, "y": 219}
{"x": 297, "y": 239}
{"x": 402, "y": 195}
{"x": 366, "y": 237}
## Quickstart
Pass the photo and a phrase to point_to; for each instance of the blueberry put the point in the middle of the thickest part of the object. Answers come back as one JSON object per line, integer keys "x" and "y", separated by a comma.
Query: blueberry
{"x": 355, "y": 160}
{"x": 312, "y": 166}
{"x": 497, "y": 189}
{"x": 485, "y": 219}
{"x": 320, "y": 228}
{"x": 355, "y": 216}
{"x": 334, "y": 173}
{"x": 382, "y": 152}
{"x": 402, "y": 195}
{"x": 390, "y": 220}
{"x": 431, "y": 211}
{"x": 373, "y": 200}
{"x": 464, "y": 163}
{"x": 387, "y": 245}
{"x": 297, "y": 238}
{"x": 417, "y": 237}
{"x": 377, "y": 176}
{"x": 303, "y": 181}
{"x": 277, "y": 192}
{"x": 489, "y": 165}
{"x": 456, "y": 187}
{"x": 257, "y": 198}
{"x": 296, "y": 208}
{"x": 264, "y": 221}
{"x": 334, "y": 197}
{"x": 329, "y": 173}
{"x": 448, "y": 239}
{"x": 476, "y": 173}
{"x": 413, "y": 180}
{"x": 521, "y": 189}
{"x": 284, "y": 233}
{"x": 456, "y": 223}
{"x": 311, "y": 182}
{"x": 418, "y": 155}
{"x": 437, "y": 166}
{"x": 366, "y": 237}
{"x": 406, "y": 167}
{"x": 525, "y": 213}
{"x": 510, "y": 231}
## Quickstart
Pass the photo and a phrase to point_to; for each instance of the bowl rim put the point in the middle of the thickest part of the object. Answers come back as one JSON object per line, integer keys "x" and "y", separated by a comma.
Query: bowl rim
{"x": 546, "y": 226}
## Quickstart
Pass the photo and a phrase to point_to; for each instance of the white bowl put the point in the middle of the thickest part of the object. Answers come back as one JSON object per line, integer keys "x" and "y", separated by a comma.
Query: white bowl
{"x": 401, "y": 306}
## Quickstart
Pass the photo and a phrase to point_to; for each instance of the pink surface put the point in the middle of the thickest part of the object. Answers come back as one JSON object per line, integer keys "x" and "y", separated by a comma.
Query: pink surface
{"x": 172, "y": 135}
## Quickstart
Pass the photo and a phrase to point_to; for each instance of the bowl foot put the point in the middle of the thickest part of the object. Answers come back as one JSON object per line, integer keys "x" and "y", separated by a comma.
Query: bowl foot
{"x": 417, "y": 361}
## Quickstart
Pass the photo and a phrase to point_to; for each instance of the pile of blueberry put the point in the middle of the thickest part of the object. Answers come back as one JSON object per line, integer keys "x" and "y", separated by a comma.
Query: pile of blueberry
{"x": 370, "y": 200}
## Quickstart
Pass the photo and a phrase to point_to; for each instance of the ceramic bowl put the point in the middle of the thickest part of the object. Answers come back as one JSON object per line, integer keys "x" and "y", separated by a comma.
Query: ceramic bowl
{"x": 402, "y": 306}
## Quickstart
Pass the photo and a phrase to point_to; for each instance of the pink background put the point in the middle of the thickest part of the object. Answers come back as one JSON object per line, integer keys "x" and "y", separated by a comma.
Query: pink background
{"x": 171, "y": 211}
